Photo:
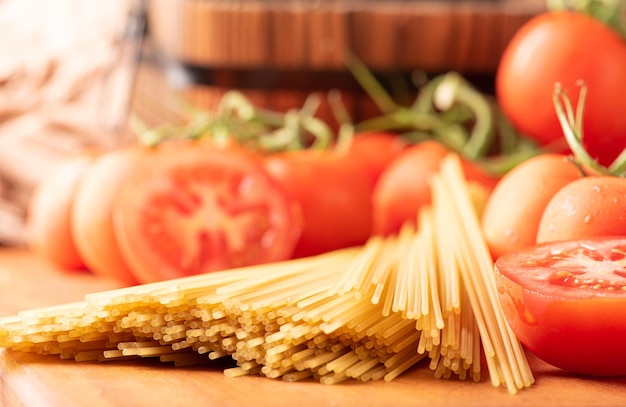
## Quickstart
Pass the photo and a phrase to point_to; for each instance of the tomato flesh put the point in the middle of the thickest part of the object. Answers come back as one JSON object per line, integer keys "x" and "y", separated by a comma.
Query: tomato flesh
{"x": 202, "y": 210}
{"x": 566, "y": 302}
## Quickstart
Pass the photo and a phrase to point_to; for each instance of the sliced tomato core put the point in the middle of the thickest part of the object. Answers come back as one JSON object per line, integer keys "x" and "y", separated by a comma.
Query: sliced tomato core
{"x": 588, "y": 268}
{"x": 204, "y": 211}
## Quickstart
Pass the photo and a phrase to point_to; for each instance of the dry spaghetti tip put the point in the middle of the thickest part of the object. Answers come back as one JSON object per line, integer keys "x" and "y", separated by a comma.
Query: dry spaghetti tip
{"x": 365, "y": 313}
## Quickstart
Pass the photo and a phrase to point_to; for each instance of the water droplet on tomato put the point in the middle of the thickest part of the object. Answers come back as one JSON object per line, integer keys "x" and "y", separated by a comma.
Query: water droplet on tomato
{"x": 511, "y": 235}
{"x": 587, "y": 219}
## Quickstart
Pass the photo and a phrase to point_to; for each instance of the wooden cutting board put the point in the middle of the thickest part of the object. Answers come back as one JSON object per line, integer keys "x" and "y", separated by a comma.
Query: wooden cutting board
{"x": 31, "y": 380}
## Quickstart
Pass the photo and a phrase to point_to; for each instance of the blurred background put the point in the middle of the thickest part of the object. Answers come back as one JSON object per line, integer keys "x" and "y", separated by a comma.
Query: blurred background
{"x": 72, "y": 72}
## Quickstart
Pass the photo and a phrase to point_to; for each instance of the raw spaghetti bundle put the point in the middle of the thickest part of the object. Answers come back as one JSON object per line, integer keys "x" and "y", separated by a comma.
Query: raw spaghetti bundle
{"x": 362, "y": 313}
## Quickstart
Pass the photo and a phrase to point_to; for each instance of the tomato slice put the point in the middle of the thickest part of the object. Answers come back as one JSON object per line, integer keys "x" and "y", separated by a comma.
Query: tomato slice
{"x": 193, "y": 209}
{"x": 566, "y": 302}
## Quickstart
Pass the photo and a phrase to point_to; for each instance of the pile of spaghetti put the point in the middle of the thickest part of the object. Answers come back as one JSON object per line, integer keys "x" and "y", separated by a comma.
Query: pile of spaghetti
{"x": 362, "y": 313}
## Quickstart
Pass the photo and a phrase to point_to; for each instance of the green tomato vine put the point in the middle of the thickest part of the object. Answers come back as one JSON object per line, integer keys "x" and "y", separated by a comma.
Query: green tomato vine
{"x": 446, "y": 108}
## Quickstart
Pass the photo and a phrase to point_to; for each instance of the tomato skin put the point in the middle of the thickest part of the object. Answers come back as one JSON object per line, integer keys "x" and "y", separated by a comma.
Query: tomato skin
{"x": 92, "y": 214}
{"x": 571, "y": 325}
{"x": 333, "y": 195}
{"x": 374, "y": 151}
{"x": 404, "y": 185}
{"x": 589, "y": 206}
{"x": 565, "y": 47}
{"x": 48, "y": 220}
{"x": 511, "y": 216}
{"x": 190, "y": 208}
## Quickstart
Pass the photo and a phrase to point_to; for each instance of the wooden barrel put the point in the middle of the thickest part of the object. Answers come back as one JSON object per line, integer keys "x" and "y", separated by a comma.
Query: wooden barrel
{"x": 280, "y": 51}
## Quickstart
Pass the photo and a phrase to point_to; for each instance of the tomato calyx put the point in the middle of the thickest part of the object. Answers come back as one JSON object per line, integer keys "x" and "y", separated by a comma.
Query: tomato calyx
{"x": 572, "y": 124}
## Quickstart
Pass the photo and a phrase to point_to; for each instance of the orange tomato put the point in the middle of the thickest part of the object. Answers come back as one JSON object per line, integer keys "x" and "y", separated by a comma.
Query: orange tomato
{"x": 587, "y": 207}
{"x": 92, "y": 214}
{"x": 511, "y": 216}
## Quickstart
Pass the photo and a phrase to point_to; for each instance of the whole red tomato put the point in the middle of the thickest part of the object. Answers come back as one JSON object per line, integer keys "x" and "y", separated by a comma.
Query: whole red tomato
{"x": 404, "y": 185}
{"x": 566, "y": 47}
{"x": 334, "y": 196}
{"x": 374, "y": 151}
{"x": 586, "y": 207}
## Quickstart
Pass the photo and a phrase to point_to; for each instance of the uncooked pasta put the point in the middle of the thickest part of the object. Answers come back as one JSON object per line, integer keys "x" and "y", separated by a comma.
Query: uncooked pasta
{"x": 362, "y": 313}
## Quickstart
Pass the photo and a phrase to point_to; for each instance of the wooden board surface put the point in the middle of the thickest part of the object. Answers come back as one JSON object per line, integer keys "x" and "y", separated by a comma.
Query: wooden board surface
{"x": 30, "y": 380}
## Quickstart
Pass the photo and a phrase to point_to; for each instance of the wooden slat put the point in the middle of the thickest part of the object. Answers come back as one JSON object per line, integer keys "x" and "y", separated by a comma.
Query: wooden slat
{"x": 439, "y": 35}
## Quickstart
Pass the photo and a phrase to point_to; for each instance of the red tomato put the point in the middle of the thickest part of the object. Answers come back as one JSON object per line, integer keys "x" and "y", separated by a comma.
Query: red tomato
{"x": 404, "y": 186}
{"x": 333, "y": 194}
{"x": 92, "y": 214}
{"x": 374, "y": 151}
{"x": 565, "y": 302}
{"x": 566, "y": 47}
{"x": 189, "y": 209}
{"x": 511, "y": 216}
{"x": 589, "y": 206}
{"x": 49, "y": 214}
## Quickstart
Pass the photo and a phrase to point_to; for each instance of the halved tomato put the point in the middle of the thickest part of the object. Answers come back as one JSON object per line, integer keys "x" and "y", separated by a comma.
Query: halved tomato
{"x": 92, "y": 212}
{"x": 50, "y": 210}
{"x": 191, "y": 208}
{"x": 566, "y": 302}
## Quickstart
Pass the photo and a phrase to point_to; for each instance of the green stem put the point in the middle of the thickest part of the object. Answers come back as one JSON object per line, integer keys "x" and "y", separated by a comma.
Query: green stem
{"x": 370, "y": 85}
{"x": 345, "y": 135}
{"x": 453, "y": 89}
{"x": 618, "y": 166}
{"x": 572, "y": 125}
{"x": 338, "y": 108}
{"x": 320, "y": 130}
{"x": 452, "y": 135}
{"x": 506, "y": 133}
{"x": 346, "y": 130}
{"x": 424, "y": 101}
{"x": 503, "y": 163}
